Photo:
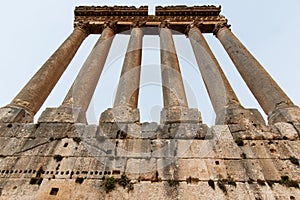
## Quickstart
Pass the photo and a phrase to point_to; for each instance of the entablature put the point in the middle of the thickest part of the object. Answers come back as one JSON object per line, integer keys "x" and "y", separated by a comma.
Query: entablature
{"x": 179, "y": 18}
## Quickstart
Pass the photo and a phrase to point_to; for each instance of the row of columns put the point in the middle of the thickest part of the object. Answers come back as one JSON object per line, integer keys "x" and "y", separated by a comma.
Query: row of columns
{"x": 227, "y": 107}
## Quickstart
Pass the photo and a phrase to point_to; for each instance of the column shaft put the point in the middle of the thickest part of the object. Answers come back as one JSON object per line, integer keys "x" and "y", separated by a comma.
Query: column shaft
{"x": 173, "y": 89}
{"x": 220, "y": 92}
{"x": 269, "y": 95}
{"x": 35, "y": 92}
{"x": 82, "y": 90}
{"x": 128, "y": 88}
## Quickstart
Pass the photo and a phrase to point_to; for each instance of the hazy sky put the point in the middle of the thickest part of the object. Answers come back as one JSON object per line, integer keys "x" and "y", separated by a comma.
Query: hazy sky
{"x": 33, "y": 29}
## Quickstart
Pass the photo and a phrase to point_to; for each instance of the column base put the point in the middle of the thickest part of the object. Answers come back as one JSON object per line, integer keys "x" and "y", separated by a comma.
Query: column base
{"x": 288, "y": 114}
{"x": 63, "y": 114}
{"x": 12, "y": 114}
{"x": 239, "y": 115}
{"x": 120, "y": 115}
{"x": 180, "y": 115}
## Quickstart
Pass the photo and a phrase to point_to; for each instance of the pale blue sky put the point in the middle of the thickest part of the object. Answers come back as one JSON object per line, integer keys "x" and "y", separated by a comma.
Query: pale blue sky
{"x": 32, "y": 30}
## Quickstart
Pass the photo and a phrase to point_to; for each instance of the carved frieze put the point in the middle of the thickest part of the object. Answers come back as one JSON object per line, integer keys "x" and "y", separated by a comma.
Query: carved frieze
{"x": 178, "y": 17}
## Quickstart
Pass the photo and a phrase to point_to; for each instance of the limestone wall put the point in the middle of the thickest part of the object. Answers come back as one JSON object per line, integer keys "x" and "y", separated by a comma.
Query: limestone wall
{"x": 149, "y": 161}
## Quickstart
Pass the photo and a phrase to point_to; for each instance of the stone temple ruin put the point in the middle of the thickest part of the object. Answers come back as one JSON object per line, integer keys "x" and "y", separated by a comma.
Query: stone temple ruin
{"x": 62, "y": 157}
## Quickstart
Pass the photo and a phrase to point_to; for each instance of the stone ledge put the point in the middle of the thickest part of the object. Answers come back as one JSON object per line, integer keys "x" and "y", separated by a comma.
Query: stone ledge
{"x": 120, "y": 115}
{"x": 288, "y": 114}
{"x": 239, "y": 115}
{"x": 180, "y": 115}
{"x": 63, "y": 115}
{"x": 11, "y": 114}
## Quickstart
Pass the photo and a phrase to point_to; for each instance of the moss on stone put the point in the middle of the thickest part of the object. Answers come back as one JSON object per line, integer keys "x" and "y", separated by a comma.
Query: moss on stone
{"x": 109, "y": 184}
{"x": 211, "y": 183}
{"x": 57, "y": 157}
{"x": 294, "y": 160}
{"x": 239, "y": 142}
{"x": 173, "y": 182}
{"x": 287, "y": 182}
{"x": 77, "y": 139}
{"x": 261, "y": 182}
{"x": 79, "y": 180}
{"x": 222, "y": 186}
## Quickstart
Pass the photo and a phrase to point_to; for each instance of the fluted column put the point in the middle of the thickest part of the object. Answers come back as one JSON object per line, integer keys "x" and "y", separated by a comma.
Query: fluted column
{"x": 128, "y": 88}
{"x": 32, "y": 96}
{"x": 126, "y": 100}
{"x": 78, "y": 98}
{"x": 225, "y": 103}
{"x": 270, "y": 96}
{"x": 175, "y": 101}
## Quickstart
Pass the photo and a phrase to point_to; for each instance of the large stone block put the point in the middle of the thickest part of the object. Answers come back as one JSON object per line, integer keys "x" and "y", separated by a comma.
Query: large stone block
{"x": 183, "y": 131}
{"x": 163, "y": 148}
{"x": 63, "y": 115}
{"x": 236, "y": 170}
{"x": 120, "y": 115}
{"x": 216, "y": 169}
{"x": 150, "y": 130}
{"x": 180, "y": 114}
{"x": 286, "y": 114}
{"x": 196, "y": 169}
{"x": 239, "y": 115}
{"x": 287, "y": 130}
{"x": 11, "y": 114}
{"x": 195, "y": 149}
{"x": 133, "y": 148}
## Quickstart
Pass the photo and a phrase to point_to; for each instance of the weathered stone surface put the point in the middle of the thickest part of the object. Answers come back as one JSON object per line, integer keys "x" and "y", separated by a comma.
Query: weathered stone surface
{"x": 253, "y": 169}
{"x": 236, "y": 170}
{"x": 220, "y": 132}
{"x": 289, "y": 114}
{"x": 227, "y": 149}
{"x": 180, "y": 115}
{"x": 287, "y": 130}
{"x": 297, "y": 126}
{"x": 269, "y": 170}
{"x": 17, "y": 130}
{"x": 87, "y": 154}
{"x": 239, "y": 115}
{"x": 12, "y": 114}
{"x": 184, "y": 131}
{"x": 53, "y": 130}
{"x": 216, "y": 169}
{"x": 63, "y": 114}
{"x": 163, "y": 148}
{"x": 133, "y": 148}
{"x": 196, "y": 169}
{"x": 195, "y": 149}
{"x": 120, "y": 115}
{"x": 149, "y": 130}
{"x": 142, "y": 169}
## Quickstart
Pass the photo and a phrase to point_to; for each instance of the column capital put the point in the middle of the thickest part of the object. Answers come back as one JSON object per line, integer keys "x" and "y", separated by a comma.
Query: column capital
{"x": 83, "y": 26}
{"x": 111, "y": 24}
{"x": 194, "y": 24}
{"x": 219, "y": 26}
{"x": 165, "y": 24}
{"x": 137, "y": 24}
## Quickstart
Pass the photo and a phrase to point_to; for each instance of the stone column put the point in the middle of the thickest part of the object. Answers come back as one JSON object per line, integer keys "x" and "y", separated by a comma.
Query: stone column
{"x": 225, "y": 103}
{"x": 26, "y": 104}
{"x": 126, "y": 100}
{"x": 175, "y": 101}
{"x": 270, "y": 96}
{"x": 76, "y": 102}
{"x": 128, "y": 88}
